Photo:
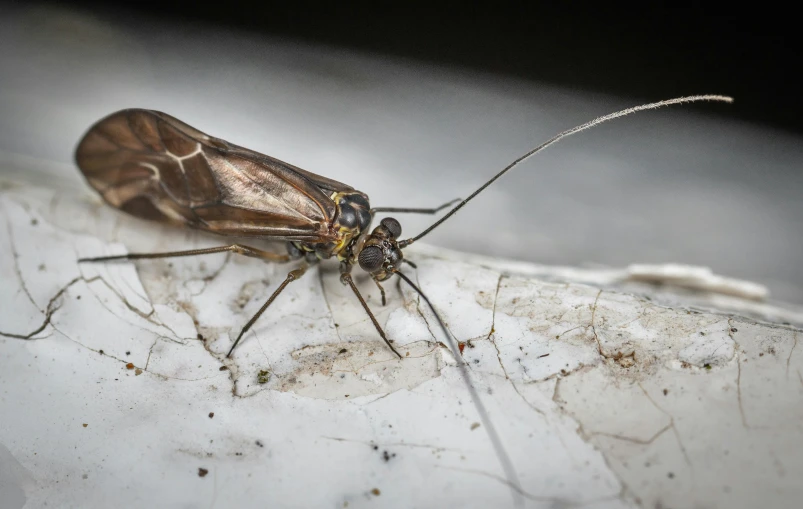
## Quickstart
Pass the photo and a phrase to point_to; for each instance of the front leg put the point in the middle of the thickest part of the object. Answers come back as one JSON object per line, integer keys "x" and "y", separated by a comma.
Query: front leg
{"x": 346, "y": 279}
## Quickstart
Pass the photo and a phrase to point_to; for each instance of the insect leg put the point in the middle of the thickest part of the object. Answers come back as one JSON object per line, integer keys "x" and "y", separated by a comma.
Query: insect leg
{"x": 382, "y": 290}
{"x": 292, "y": 276}
{"x": 234, "y": 248}
{"x": 345, "y": 278}
{"x": 414, "y": 211}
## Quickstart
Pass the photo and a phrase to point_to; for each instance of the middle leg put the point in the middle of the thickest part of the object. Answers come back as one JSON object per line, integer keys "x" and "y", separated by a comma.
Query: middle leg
{"x": 292, "y": 276}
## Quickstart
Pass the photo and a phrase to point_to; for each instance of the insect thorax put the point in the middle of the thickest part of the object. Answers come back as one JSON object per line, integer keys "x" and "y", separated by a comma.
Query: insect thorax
{"x": 352, "y": 218}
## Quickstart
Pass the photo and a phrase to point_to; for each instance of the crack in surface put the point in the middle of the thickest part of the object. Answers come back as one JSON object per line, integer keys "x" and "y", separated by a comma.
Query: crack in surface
{"x": 593, "y": 324}
{"x": 671, "y": 425}
{"x": 556, "y": 501}
{"x": 789, "y": 359}
{"x": 632, "y": 440}
{"x": 499, "y": 354}
{"x": 738, "y": 355}
{"x": 50, "y": 310}
{"x": 15, "y": 255}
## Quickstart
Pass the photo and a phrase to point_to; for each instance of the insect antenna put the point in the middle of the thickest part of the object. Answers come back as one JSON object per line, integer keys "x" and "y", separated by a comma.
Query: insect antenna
{"x": 564, "y": 134}
{"x": 496, "y": 441}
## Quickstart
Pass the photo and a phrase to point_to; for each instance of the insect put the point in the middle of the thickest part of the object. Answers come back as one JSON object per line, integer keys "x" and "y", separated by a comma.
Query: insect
{"x": 154, "y": 166}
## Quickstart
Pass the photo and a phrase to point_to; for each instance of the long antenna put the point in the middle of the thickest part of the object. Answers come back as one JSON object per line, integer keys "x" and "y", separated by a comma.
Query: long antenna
{"x": 564, "y": 134}
{"x": 501, "y": 453}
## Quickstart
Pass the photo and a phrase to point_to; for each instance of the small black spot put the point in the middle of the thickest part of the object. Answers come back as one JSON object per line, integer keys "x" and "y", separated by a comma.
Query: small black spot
{"x": 375, "y": 447}
{"x": 238, "y": 454}
{"x": 127, "y": 353}
{"x": 666, "y": 391}
{"x": 260, "y": 444}
{"x": 734, "y": 329}
{"x": 202, "y": 472}
{"x": 671, "y": 475}
{"x": 342, "y": 350}
{"x": 223, "y": 368}
{"x": 200, "y": 337}
{"x": 388, "y": 456}
{"x": 100, "y": 352}
{"x": 702, "y": 333}
{"x": 78, "y": 297}
{"x": 211, "y": 414}
{"x": 34, "y": 222}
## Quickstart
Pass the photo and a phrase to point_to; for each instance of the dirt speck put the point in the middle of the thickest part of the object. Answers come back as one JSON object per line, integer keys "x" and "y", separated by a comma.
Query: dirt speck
{"x": 375, "y": 492}
{"x": 202, "y": 472}
{"x": 85, "y": 425}
{"x": 263, "y": 377}
{"x": 130, "y": 365}
{"x": 137, "y": 371}
{"x": 223, "y": 368}
{"x": 211, "y": 414}
{"x": 475, "y": 426}
{"x": 666, "y": 391}
{"x": 260, "y": 444}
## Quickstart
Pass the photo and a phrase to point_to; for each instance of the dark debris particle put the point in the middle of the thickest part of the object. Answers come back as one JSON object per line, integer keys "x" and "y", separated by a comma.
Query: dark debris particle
{"x": 666, "y": 391}
{"x": 238, "y": 454}
{"x": 734, "y": 329}
{"x": 85, "y": 425}
{"x": 128, "y": 353}
{"x": 77, "y": 297}
{"x": 671, "y": 475}
{"x": 263, "y": 376}
{"x": 260, "y": 444}
{"x": 200, "y": 337}
{"x": 387, "y": 456}
{"x": 211, "y": 414}
{"x": 202, "y": 472}
{"x": 375, "y": 492}
{"x": 375, "y": 447}
{"x": 223, "y": 368}
{"x": 100, "y": 352}
{"x": 707, "y": 366}
{"x": 342, "y": 350}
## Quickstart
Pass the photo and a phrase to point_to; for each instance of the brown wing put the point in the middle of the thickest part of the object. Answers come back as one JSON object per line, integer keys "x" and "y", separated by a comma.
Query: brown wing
{"x": 156, "y": 167}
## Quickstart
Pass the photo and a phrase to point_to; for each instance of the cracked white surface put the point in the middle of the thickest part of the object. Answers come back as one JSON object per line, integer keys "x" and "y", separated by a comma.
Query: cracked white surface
{"x": 116, "y": 390}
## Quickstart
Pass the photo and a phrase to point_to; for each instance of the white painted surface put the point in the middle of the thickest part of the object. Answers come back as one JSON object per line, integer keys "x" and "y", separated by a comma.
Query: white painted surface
{"x": 603, "y": 399}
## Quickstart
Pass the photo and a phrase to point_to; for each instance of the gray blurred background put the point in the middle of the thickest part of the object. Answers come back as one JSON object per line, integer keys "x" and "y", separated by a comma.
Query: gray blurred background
{"x": 419, "y": 108}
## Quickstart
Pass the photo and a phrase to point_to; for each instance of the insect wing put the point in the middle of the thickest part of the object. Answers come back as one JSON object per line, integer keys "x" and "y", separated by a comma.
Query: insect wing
{"x": 154, "y": 166}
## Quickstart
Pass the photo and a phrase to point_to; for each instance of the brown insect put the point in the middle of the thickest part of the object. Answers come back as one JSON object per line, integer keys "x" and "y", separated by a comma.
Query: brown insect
{"x": 156, "y": 167}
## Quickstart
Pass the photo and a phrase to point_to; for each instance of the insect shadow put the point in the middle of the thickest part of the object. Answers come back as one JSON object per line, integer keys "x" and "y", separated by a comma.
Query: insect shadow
{"x": 154, "y": 166}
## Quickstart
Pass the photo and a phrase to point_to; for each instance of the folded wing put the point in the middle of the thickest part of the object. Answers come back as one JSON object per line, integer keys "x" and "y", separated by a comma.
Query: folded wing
{"x": 154, "y": 166}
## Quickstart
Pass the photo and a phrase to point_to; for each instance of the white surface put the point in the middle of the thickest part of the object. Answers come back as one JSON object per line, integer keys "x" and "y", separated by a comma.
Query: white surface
{"x": 602, "y": 399}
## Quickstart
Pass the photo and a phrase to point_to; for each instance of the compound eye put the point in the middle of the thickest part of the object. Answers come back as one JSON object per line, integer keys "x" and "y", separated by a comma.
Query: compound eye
{"x": 393, "y": 226}
{"x": 371, "y": 258}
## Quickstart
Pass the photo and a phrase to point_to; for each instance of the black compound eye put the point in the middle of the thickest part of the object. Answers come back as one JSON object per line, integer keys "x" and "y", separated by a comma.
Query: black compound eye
{"x": 393, "y": 226}
{"x": 371, "y": 258}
